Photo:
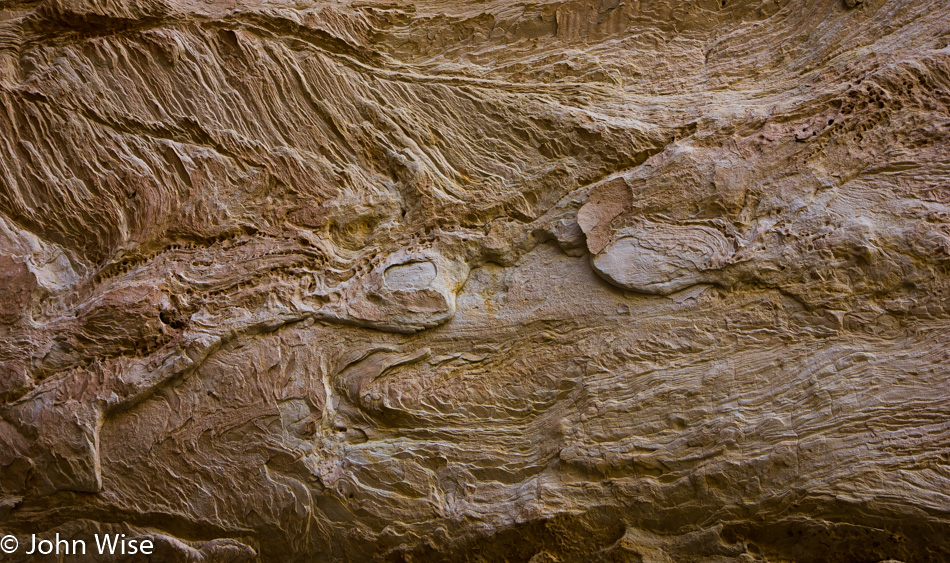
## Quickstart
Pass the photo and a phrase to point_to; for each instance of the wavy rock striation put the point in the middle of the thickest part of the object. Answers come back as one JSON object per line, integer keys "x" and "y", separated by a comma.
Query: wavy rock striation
{"x": 477, "y": 281}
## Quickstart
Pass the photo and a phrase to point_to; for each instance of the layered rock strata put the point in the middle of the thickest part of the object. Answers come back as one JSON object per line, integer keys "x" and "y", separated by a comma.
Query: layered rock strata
{"x": 477, "y": 281}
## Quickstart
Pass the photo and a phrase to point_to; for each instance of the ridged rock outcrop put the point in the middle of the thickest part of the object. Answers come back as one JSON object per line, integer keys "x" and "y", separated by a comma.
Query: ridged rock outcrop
{"x": 593, "y": 280}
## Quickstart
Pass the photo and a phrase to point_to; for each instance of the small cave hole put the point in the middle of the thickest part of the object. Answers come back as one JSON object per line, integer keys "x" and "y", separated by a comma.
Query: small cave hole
{"x": 167, "y": 318}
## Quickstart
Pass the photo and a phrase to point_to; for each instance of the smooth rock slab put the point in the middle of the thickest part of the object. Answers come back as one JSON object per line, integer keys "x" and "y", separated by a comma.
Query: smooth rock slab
{"x": 662, "y": 259}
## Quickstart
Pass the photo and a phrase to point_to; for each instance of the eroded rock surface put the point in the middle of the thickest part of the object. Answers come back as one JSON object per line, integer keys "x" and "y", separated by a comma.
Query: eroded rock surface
{"x": 477, "y": 281}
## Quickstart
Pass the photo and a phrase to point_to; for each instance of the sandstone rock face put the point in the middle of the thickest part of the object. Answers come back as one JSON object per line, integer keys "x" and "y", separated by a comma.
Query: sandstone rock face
{"x": 477, "y": 281}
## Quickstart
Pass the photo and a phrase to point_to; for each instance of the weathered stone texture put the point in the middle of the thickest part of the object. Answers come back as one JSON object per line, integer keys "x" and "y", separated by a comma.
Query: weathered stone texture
{"x": 650, "y": 280}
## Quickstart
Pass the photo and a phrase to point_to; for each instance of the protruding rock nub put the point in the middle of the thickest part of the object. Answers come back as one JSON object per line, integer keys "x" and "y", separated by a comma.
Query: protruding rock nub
{"x": 662, "y": 259}
{"x": 410, "y": 277}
